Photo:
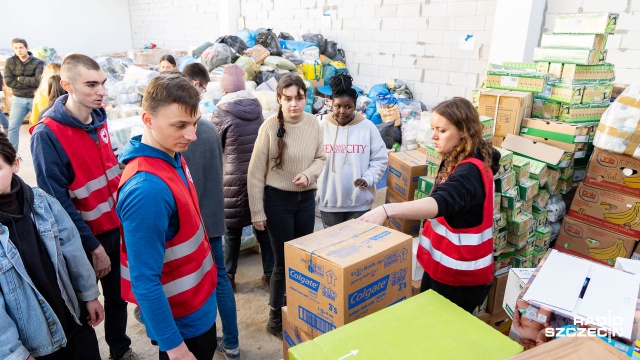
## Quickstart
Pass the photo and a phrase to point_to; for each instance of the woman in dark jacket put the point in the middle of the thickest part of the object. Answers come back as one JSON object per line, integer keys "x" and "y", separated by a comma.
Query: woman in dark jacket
{"x": 238, "y": 119}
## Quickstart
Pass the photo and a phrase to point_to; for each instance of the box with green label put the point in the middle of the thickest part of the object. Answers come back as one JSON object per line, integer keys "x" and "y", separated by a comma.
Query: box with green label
{"x": 497, "y": 201}
{"x": 523, "y": 261}
{"x": 523, "y": 224}
{"x": 574, "y": 41}
{"x": 499, "y": 221}
{"x": 499, "y": 239}
{"x": 506, "y": 161}
{"x": 528, "y": 206}
{"x": 521, "y": 168}
{"x": 575, "y": 113}
{"x": 585, "y": 23}
{"x": 420, "y": 195}
{"x": 515, "y": 79}
{"x": 487, "y": 127}
{"x": 563, "y": 93}
{"x": 574, "y": 73}
{"x": 428, "y": 314}
{"x": 425, "y": 184}
{"x": 512, "y": 214}
{"x": 538, "y": 171}
{"x": 596, "y": 93}
{"x": 569, "y": 137}
{"x": 518, "y": 241}
{"x": 546, "y": 109}
{"x": 555, "y": 70}
{"x": 541, "y": 199}
{"x": 539, "y": 215}
{"x": 543, "y": 236}
{"x": 528, "y": 189}
{"x": 509, "y": 199}
{"x": 433, "y": 157}
{"x": 528, "y": 248}
{"x": 505, "y": 182}
{"x": 552, "y": 156}
{"x": 572, "y": 56}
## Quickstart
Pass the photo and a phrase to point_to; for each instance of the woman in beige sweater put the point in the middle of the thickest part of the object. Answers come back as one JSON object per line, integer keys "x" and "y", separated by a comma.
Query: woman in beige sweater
{"x": 287, "y": 159}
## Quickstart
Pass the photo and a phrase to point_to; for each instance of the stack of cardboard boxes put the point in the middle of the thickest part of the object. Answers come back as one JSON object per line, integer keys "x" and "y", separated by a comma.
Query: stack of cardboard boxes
{"x": 340, "y": 274}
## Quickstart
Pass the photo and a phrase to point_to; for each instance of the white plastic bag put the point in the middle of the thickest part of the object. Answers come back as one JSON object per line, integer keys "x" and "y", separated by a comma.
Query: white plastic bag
{"x": 620, "y": 124}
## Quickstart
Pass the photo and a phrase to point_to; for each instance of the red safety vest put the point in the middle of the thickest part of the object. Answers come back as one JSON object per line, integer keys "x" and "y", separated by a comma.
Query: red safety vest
{"x": 189, "y": 274}
{"x": 97, "y": 174}
{"x": 460, "y": 257}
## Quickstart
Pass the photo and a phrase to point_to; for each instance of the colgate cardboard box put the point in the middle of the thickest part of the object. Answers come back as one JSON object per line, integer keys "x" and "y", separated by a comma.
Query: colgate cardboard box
{"x": 291, "y": 334}
{"x": 608, "y": 210}
{"x": 616, "y": 172}
{"x": 345, "y": 272}
{"x": 404, "y": 170}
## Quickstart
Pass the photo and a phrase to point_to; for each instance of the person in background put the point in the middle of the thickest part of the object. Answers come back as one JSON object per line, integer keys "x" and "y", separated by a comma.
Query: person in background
{"x": 238, "y": 118}
{"x": 456, "y": 244}
{"x": 168, "y": 266}
{"x": 54, "y": 91}
{"x": 168, "y": 63}
{"x": 41, "y": 96}
{"x": 287, "y": 159}
{"x": 74, "y": 162}
{"x": 22, "y": 74}
{"x": 4, "y": 122}
{"x": 356, "y": 158}
{"x": 204, "y": 157}
{"x": 48, "y": 291}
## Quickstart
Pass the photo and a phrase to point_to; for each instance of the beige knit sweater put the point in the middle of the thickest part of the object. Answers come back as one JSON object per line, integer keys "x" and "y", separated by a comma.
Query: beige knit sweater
{"x": 303, "y": 153}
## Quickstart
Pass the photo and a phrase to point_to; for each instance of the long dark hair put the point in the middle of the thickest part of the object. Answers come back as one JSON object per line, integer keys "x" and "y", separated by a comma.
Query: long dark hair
{"x": 7, "y": 152}
{"x": 54, "y": 89}
{"x": 287, "y": 81}
{"x": 461, "y": 114}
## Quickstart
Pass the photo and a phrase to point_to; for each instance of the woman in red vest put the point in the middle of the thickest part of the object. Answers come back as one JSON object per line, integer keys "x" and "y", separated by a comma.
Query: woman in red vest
{"x": 456, "y": 243}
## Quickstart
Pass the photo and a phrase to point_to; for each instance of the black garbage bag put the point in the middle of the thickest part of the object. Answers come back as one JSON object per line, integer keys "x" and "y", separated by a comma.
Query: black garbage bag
{"x": 386, "y": 131}
{"x": 285, "y": 36}
{"x": 397, "y": 134}
{"x": 236, "y": 44}
{"x": 269, "y": 41}
{"x": 317, "y": 39}
{"x": 330, "y": 49}
{"x": 266, "y": 75}
{"x": 340, "y": 56}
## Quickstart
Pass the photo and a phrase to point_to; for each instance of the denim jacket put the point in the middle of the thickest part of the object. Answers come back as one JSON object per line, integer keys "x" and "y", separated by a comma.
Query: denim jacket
{"x": 28, "y": 325}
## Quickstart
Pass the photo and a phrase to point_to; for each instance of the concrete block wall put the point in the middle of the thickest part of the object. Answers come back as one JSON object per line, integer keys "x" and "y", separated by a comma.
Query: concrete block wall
{"x": 413, "y": 40}
{"x": 624, "y": 46}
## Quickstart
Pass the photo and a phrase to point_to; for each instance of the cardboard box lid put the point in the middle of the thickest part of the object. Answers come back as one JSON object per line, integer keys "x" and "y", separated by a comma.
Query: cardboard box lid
{"x": 350, "y": 242}
{"x": 550, "y": 155}
{"x": 392, "y": 333}
{"x": 506, "y": 93}
{"x": 411, "y": 157}
{"x": 572, "y": 348}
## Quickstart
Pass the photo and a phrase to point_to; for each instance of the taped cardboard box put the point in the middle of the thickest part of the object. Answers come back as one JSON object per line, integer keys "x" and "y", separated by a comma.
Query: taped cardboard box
{"x": 428, "y": 314}
{"x": 343, "y": 273}
{"x": 508, "y": 108}
{"x": 606, "y": 209}
{"x": 404, "y": 170}
{"x": 620, "y": 125}
{"x": 586, "y": 23}
{"x": 572, "y": 56}
{"x": 291, "y": 334}
{"x": 550, "y": 155}
{"x": 574, "y": 73}
{"x": 615, "y": 172}
{"x": 576, "y": 113}
{"x": 409, "y": 227}
{"x": 569, "y": 137}
{"x": 591, "y": 242}
{"x": 574, "y": 41}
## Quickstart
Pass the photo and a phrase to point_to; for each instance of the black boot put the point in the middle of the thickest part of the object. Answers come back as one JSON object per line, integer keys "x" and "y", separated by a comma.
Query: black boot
{"x": 274, "y": 325}
{"x": 232, "y": 280}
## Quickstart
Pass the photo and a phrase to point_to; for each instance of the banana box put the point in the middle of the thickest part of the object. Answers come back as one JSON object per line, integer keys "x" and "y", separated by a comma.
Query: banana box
{"x": 506, "y": 181}
{"x": 523, "y": 224}
{"x": 511, "y": 214}
{"x": 541, "y": 199}
{"x": 616, "y": 172}
{"x": 616, "y": 212}
{"x": 538, "y": 171}
{"x": 528, "y": 189}
{"x": 539, "y": 216}
{"x": 543, "y": 237}
{"x": 497, "y": 201}
{"x": 521, "y": 168}
{"x": 594, "y": 243}
{"x": 506, "y": 160}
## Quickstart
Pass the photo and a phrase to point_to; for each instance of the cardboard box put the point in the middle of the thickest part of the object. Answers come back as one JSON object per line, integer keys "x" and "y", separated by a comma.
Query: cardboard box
{"x": 512, "y": 107}
{"x": 415, "y": 287}
{"x": 432, "y": 156}
{"x": 512, "y": 214}
{"x": 546, "y": 109}
{"x": 550, "y": 155}
{"x": 615, "y": 172}
{"x": 574, "y": 74}
{"x": 514, "y": 79}
{"x": 497, "y": 201}
{"x": 343, "y": 273}
{"x": 568, "y": 137}
{"x": 428, "y": 314}
{"x": 291, "y": 334}
{"x": 618, "y": 88}
{"x": 528, "y": 189}
{"x": 425, "y": 184}
{"x": 574, "y": 41}
{"x": 521, "y": 169}
{"x": 591, "y": 242}
{"x": 499, "y": 239}
{"x": 521, "y": 225}
{"x": 575, "y": 113}
{"x": 404, "y": 170}
{"x": 420, "y": 195}
{"x": 390, "y": 114}
{"x": 417, "y": 270}
{"x": 510, "y": 199}
{"x": 496, "y": 294}
{"x": 572, "y": 56}
{"x": 586, "y": 23}
{"x": 596, "y": 93}
{"x": 538, "y": 171}
{"x": 496, "y": 141}
{"x": 516, "y": 280}
{"x": 487, "y": 128}
{"x": 503, "y": 261}
{"x": 409, "y": 227}
{"x": 147, "y": 56}
{"x": 540, "y": 216}
{"x": 607, "y": 209}
{"x": 506, "y": 161}
{"x": 505, "y": 181}
{"x": 543, "y": 237}
{"x": 573, "y": 348}
{"x": 562, "y": 93}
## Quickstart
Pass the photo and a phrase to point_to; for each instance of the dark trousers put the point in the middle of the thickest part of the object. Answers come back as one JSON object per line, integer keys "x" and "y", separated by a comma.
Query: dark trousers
{"x": 290, "y": 215}
{"x": 232, "y": 242}
{"x": 330, "y": 219}
{"x": 115, "y": 309}
{"x": 467, "y": 297}
{"x": 82, "y": 343}
{"x": 203, "y": 347}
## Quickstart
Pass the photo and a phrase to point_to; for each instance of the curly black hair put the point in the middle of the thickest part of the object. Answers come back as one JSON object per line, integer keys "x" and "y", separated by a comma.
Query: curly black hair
{"x": 341, "y": 86}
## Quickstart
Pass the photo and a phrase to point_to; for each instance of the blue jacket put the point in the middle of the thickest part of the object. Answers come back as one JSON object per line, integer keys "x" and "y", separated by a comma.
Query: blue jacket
{"x": 27, "y": 322}
{"x": 53, "y": 167}
{"x": 149, "y": 218}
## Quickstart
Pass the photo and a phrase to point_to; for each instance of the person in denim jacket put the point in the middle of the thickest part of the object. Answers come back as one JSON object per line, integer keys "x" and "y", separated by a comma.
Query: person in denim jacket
{"x": 48, "y": 290}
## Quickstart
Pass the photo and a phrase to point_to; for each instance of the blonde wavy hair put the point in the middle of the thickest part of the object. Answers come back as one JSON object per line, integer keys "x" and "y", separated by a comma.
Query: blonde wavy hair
{"x": 461, "y": 114}
{"x": 52, "y": 68}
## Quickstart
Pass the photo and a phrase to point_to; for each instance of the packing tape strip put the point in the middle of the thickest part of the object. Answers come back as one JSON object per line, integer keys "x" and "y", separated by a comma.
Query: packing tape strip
{"x": 312, "y": 252}
{"x": 495, "y": 113}
{"x": 632, "y": 138}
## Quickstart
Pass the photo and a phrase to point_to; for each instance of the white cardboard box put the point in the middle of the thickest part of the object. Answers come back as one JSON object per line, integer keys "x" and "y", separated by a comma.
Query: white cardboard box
{"x": 516, "y": 281}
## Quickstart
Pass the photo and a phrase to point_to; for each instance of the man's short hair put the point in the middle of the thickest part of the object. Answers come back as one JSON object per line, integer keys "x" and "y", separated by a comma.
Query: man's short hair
{"x": 72, "y": 63}
{"x": 197, "y": 72}
{"x": 167, "y": 89}
{"x": 20, "y": 41}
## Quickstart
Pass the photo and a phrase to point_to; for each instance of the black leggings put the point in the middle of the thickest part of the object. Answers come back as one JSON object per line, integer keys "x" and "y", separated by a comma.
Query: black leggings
{"x": 467, "y": 297}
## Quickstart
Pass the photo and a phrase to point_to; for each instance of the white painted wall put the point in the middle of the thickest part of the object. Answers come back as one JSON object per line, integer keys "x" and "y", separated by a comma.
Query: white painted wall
{"x": 89, "y": 27}
{"x": 516, "y": 30}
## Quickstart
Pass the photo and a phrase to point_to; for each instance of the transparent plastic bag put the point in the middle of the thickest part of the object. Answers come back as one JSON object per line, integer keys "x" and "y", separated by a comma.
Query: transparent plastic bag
{"x": 216, "y": 55}
{"x": 620, "y": 124}
{"x": 249, "y": 66}
{"x": 410, "y": 135}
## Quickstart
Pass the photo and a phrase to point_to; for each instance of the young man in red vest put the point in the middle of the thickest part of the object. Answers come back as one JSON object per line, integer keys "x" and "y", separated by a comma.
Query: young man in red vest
{"x": 167, "y": 264}
{"x": 74, "y": 162}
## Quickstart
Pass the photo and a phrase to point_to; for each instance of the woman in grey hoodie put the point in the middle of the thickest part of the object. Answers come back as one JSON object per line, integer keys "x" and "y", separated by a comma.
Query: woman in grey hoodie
{"x": 356, "y": 158}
